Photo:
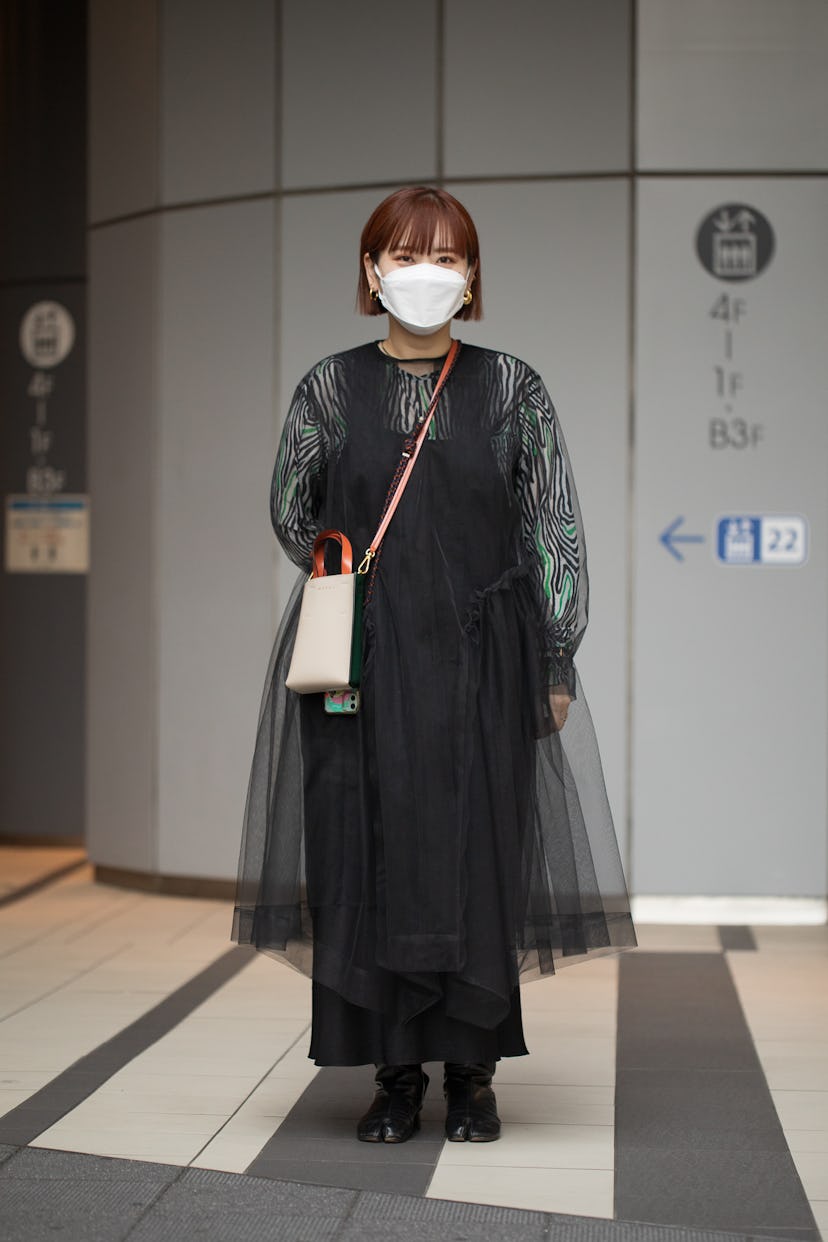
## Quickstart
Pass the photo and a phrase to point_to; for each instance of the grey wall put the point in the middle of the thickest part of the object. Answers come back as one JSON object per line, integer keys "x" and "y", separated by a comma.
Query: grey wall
{"x": 182, "y": 426}
{"x": 42, "y": 258}
{"x": 236, "y": 153}
{"x": 729, "y": 669}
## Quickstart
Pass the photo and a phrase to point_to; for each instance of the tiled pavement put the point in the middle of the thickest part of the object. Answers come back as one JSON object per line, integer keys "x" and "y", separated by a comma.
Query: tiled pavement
{"x": 682, "y": 1086}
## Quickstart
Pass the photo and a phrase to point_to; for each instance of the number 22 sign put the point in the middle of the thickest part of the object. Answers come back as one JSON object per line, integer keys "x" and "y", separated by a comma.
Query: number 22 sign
{"x": 764, "y": 539}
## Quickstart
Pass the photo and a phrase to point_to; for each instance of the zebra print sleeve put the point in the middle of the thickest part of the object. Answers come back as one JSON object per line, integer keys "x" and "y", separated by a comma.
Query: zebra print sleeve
{"x": 296, "y": 487}
{"x": 552, "y": 528}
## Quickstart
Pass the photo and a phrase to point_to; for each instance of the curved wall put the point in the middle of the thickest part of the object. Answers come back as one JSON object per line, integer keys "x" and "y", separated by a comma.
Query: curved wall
{"x": 233, "y": 165}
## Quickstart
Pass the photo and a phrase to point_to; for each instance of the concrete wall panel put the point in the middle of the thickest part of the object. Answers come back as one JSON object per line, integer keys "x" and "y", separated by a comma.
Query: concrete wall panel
{"x": 729, "y": 669}
{"x": 123, "y": 107}
{"x": 122, "y": 603}
{"x": 536, "y": 88}
{"x": 359, "y": 92}
{"x": 732, "y": 84}
{"x": 215, "y": 553}
{"x": 219, "y": 87}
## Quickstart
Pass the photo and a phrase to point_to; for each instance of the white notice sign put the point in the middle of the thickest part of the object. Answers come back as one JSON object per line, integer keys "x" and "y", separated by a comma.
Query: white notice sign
{"x": 47, "y": 534}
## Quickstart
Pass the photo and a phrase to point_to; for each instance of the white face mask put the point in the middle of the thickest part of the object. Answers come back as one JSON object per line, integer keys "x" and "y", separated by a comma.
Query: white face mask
{"x": 422, "y": 296}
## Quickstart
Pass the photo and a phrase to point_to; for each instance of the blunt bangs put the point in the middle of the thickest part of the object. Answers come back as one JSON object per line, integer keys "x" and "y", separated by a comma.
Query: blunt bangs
{"x": 428, "y": 225}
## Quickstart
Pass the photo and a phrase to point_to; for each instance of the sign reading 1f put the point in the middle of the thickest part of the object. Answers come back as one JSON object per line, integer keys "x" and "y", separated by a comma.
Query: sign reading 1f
{"x": 729, "y": 430}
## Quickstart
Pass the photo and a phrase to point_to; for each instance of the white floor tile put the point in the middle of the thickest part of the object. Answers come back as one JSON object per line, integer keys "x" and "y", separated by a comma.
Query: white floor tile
{"x": 792, "y": 1049}
{"x": 587, "y": 1061}
{"x": 581, "y": 1192}
{"x": 171, "y": 1149}
{"x": 253, "y": 1124}
{"x": 566, "y": 993}
{"x": 796, "y": 1074}
{"x": 246, "y": 1126}
{"x": 21, "y": 865}
{"x": 555, "y": 1104}
{"x": 773, "y": 937}
{"x": 49, "y": 1058}
{"x": 597, "y": 1024}
{"x": 217, "y": 1054}
{"x": 295, "y": 1060}
{"x": 813, "y": 1170}
{"x": 149, "y": 1128}
{"x": 537, "y": 1146}
{"x": 787, "y": 1027}
{"x": 183, "y": 1093}
{"x": 802, "y": 1110}
{"x": 276, "y": 1096}
{"x": 23, "y": 1080}
{"x": 10, "y": 1099}
{"x": 807, "y": 1141}
{"x": 199, "y": 1028}
{"x": 677, "y": 937}
{"x": 234, "y": 1153}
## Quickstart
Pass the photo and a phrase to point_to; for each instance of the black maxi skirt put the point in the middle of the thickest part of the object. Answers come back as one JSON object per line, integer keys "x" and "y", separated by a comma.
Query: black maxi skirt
{"x": 346, "y": 1034}
{"x": 419, "y": 888}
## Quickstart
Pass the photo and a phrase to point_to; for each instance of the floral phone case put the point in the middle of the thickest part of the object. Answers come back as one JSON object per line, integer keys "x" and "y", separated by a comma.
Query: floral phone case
{"x": 341, "y": 702}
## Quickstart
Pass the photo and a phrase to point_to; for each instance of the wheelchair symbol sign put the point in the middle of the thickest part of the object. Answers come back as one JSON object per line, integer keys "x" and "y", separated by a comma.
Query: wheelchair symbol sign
{"x": 764, "y": 539}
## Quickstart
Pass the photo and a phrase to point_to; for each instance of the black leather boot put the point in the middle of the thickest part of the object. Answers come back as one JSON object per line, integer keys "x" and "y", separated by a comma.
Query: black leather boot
{"x": 471, "y": 1107}
{"x": 395, "y": 1112}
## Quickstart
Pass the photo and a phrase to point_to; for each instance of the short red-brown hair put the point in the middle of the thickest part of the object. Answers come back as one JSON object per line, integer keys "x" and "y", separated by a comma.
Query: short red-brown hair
{"x": 419, "y": 216}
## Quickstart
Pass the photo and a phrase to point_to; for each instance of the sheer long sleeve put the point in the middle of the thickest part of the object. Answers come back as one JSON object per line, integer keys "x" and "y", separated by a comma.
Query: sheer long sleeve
{"x": 296, "y": 488}
{"x": 552, "y": 529}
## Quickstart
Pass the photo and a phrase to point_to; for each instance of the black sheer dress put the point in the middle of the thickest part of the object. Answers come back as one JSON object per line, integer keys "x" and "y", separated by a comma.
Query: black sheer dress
{"x": 422, "y": 857}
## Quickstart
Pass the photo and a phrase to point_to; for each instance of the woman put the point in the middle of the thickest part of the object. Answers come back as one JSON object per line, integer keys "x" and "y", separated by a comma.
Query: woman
{"x": 420, "y": 857}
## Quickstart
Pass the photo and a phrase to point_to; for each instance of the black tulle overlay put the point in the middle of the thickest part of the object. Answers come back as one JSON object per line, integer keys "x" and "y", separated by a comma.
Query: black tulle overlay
{"x": 422, "y": 857}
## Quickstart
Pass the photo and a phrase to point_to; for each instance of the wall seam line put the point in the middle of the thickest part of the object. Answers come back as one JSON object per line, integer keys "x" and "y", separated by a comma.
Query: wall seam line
{"x": 440, "y": 91}
{"x": 276, "y": 275}
{"x": 632, "y": 259}
{"x": 359, "y": 187}
{"x": 154, "y": 425}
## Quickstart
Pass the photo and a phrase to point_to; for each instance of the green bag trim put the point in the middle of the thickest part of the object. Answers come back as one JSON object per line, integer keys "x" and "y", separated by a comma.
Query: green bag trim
{"x": 356, "y": 634}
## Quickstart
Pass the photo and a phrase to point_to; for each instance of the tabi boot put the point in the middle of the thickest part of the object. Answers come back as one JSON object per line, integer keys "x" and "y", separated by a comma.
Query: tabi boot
{"x": 471, "y": 1107}
{"x": 394, "y": 1114}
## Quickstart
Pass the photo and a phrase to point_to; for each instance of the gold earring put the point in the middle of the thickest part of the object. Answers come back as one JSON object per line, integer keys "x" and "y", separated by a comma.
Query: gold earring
{"x": 374, "y": 295}
{"x": 467, "y": 297}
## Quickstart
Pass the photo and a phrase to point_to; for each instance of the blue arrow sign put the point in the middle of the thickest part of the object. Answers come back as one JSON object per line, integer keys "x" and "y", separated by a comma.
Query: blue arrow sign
{"x": 669, "y": 538}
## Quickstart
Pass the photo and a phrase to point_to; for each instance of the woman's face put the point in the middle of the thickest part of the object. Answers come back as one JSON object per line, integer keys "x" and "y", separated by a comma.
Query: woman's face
{"x": 401, "y": 256}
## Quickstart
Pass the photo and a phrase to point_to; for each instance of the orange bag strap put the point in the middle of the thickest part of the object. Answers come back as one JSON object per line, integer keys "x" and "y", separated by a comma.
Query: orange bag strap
{"x": 410, "y": 453}
{"x": 319, "y": 552}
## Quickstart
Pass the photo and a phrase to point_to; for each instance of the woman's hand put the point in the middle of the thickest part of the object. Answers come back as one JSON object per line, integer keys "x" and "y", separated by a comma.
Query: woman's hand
{"x": 559, "y": 700}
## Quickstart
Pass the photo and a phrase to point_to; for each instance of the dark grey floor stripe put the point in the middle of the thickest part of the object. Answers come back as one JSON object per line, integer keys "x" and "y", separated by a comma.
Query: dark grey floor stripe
{"x": 45, "y": 1193}
{"x": 732, "y": 936}
{"x": 697, "y": 1138}
{"x": 317, "y": 1141}
{"x": 25, "y": 1122}
{"x": 42, "y": 881}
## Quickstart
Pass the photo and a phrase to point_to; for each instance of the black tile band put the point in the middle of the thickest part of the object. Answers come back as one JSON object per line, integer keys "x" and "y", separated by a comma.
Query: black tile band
{"x": 71, "y": 1087}
{"x": 316, "y": 1143}
{"x": 697, "y": 1138}
{"x": 733, "y": 936}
